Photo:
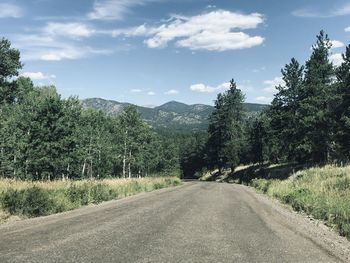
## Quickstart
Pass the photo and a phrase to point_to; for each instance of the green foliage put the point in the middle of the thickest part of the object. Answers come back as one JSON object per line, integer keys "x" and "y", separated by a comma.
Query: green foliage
{"x": 36, "y": 199}
{"x": 225, "y": 132}
{"x": 323, "y": 193}
{"x": 308, "y": 120}
{"x": 32, "y": 201}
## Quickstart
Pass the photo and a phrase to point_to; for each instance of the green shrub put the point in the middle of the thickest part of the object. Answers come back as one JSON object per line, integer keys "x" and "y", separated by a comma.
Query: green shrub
{"x": 37, "y": 202}
{"x": 79, "y": 194}
{"x": 12, "y": 201}
{"x": 100, "y": 193}
{"x": 31, "y": 202}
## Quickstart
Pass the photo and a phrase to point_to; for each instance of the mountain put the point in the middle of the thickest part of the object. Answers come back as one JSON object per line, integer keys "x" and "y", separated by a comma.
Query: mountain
{"x": 172, "y": 115}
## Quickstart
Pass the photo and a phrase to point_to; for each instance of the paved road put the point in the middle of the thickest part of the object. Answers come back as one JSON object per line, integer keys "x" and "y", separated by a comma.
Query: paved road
{"x": 196, "y": 222}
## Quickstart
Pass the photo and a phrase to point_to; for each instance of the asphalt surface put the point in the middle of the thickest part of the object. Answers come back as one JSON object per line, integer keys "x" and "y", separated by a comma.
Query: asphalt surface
{"x": 195, "y": 222}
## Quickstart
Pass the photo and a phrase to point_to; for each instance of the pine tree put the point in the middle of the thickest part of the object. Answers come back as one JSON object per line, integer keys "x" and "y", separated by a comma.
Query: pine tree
{"x": 284, "y": 114}
{"x": 226, "y": 129}
{"x": 316, "y": 122}
{"x": 342, "y": 108}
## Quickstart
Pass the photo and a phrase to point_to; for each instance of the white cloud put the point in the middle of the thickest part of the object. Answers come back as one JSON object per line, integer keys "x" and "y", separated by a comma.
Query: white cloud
{"x": 337, "y": 44}
{"x": 200, "y": 87}
{"x": 209, "y": 31}
{"x": 347, "y": 29}
{"x": 74, "y": 30}
{"x": 49, "y": 48}
{"x": 71, "y": 52}
{"x": 314, "y": 13}
{"x": 336, "y": 59}
{"x": 10, "y": 10}
{"x": 113, "y": 9}
{"x": 37, "y": 75}
{"x": 171, "y": 92}
{"x": 257, "y": 70}
{"x": 151, "y": 93}
{"x": 270, "y": 85}
{"x": 263, "y": 99}
{"x": 136, "y": 90}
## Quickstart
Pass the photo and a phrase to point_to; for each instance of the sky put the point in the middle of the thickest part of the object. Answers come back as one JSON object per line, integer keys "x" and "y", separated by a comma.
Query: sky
{"x": 149, "y": 52}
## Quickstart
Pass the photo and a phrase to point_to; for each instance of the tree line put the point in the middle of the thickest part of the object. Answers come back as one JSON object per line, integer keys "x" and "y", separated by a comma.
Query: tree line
{"x": 308, "y": 120}
{"x": 43, "y": 136}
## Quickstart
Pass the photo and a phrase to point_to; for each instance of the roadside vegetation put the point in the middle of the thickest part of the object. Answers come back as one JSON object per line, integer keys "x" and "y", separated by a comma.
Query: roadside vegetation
{"x": 30, "y": 198}
{"x": 323, "y": 193}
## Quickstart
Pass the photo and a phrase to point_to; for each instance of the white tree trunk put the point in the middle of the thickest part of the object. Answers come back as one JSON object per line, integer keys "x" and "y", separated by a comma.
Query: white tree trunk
{"x": 129, "y": 164}
{"x": 124, "y": 157}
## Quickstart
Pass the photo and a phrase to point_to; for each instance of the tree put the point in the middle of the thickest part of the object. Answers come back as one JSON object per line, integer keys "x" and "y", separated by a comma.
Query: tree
{"x": 226, "y": 134}
{"x": 284, "y": 113}
{"x": 257, "y": 137}
{"x": 9, "y": 66}
{"x": 315, "y": 100}
{"x": 342, "y": 108}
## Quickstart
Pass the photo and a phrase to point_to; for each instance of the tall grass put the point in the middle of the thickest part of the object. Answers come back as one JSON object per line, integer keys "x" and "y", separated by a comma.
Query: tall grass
{"x": 30, "y": 199}
{"x": 323, "y": 193}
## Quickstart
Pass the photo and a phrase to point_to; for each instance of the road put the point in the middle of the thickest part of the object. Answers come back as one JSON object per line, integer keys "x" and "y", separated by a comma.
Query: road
{"x": 195, "y": 222}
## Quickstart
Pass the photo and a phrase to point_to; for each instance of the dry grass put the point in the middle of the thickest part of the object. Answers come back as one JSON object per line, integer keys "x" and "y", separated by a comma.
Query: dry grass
{"x": 28, "y": 199}
{"x": 323, "y": 192}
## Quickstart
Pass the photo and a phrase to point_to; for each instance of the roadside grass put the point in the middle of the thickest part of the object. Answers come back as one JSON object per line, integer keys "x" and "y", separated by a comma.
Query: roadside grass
{"x": 323, "y": 192}
{"x": 31, "y": 199}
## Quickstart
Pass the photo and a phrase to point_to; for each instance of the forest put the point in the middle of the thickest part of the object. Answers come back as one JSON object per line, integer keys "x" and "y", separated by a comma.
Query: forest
{"x": 308, "y": 121}
{"x": 45, "y": 137}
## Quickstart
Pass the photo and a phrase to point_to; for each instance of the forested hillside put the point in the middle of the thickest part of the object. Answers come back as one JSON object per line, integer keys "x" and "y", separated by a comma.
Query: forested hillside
{"x": 172, "y": 115}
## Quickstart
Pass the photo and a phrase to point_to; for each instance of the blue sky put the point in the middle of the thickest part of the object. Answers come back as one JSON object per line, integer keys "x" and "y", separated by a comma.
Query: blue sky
{"x": 152, "y": 51}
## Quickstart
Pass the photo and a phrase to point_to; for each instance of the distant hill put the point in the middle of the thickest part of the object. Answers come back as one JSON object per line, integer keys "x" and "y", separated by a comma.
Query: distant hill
{"x": 172, "y": 115}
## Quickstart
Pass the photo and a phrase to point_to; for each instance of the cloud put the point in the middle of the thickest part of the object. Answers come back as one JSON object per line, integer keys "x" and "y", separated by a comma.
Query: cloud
{"x": 74, "y": 30}
{"x": 200, "y": 87}
{"x": 151, "y": 93}
{"x": 347, "y": 29}
{"x": 257, "y": 70}
{"x": 314, "y": 13}
{"x": 136, "y": 90}
{"x": 212, "y": 31}
{"x": 171, "y": 92}
{"x": 113, "y": 9}
{"x": 263, "y": 99}
{"x": 337, "y": 44}
{"x": 37, "y": 75}
{"x": 71, "y": 52}
{"x": 336, "y": 59}
{"x": 50, "y": 48}
{"x": 10, "y": 10}
{"x": 270, "y": 85}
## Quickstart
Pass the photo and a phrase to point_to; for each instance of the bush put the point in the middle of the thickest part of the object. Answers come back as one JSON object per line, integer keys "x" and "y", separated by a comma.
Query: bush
{"x": 12, "y": 201}
{"x": 37, "y": 202}
{"x": 79, "y": 194}
{"x": 31, "y": 202}
{"x": 100, "y": 193}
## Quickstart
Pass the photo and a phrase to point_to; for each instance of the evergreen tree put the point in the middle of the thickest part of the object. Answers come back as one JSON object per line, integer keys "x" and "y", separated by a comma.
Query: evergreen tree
{"x": 316, "y": 122}
{"x": 342, "y": 108}
{"x": 226, "y": 136}
{"x": 284, "y": 115}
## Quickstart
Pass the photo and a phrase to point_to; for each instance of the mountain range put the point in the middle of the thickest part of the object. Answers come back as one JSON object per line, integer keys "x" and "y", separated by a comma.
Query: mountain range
{"x": 172, "y": 115}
